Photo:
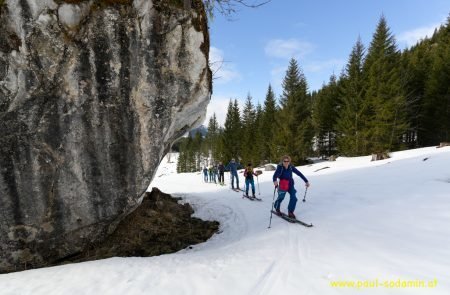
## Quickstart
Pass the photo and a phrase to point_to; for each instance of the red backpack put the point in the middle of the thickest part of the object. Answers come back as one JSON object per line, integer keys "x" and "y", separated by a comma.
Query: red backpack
{"x": 284, "y": 183}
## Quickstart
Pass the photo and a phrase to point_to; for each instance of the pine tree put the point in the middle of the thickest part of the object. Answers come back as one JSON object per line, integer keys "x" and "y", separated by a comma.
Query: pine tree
{"x": 295, "y": 133}
{"x": 249, "y": 131}
{"x": 257, "y": 157}
{"x": 353, "y": 114}
{"x": 387, "y": 123}
{"x": 212, "y": 138}
{"x": 220, "y": 150}
{"x": 414, "y": 73}
{"x": 181, "y": 164}
{"x": 199, "y": 152}
{"x": 324, "y": 116}
{"x": 186, "y": 159}
{"x": 237, "y": 127}
{"x": 232, "y": 132}
{"x": 227, "y": 137}
{"x": 269, "y": 127}
{"x": 436, "y": 106}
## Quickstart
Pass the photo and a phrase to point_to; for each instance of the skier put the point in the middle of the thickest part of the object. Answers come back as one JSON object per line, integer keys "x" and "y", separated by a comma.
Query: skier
{"x": 286, "y": 184}
{"x": 205, "y": 174}
{"x": 232, "y": 167}
{"x": 221, "y": 169}
{"x": 210, "y": 170}
{"x": 214, "y": 171}
{"x": 248, "y": 174}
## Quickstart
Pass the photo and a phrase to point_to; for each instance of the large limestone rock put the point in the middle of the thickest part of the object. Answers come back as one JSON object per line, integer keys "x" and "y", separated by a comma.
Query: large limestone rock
{"x": 92, "y": 94}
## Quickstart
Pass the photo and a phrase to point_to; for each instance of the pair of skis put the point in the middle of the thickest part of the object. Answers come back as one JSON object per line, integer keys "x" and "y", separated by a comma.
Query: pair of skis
{"x": 251, "y": 198}
{"x": 283, "y": 215}
{"x": 246, "y": 196}
{"x": 291, "y": 220}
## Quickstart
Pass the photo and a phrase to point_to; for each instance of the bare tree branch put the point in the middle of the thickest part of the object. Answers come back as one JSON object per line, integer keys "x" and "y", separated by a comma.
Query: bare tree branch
{"x": 216, "y": 66}
{"x": 252, "y": 5}
{"x": 229, "y": 7}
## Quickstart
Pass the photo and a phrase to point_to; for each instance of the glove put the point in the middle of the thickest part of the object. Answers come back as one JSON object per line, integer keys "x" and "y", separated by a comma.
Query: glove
{"x": 275, "y": 183}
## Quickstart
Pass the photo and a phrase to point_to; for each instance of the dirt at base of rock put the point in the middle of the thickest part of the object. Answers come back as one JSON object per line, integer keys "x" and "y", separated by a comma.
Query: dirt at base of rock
{"x": 158, "y": 226}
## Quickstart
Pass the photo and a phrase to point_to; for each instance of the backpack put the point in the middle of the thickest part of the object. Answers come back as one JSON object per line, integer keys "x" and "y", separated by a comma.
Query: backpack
{"x": 284, "y": 183}
{"x": 248, "y": 173}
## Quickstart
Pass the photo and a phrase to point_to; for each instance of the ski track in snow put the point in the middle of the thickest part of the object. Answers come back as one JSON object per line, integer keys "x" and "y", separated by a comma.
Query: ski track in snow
{"x": 233, "y": 225}
{"x": 268, "y": 282}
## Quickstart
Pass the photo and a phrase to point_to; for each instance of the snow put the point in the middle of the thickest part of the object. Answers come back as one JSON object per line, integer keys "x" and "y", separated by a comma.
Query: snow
{"x": 386, "y": 220}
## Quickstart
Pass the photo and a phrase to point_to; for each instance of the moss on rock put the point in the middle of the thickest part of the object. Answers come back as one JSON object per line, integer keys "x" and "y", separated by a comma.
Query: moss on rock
{"x": 158, "y": 226}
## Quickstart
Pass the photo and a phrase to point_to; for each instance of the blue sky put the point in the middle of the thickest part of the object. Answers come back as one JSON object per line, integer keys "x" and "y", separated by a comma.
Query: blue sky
{"x": 257, "y": 44}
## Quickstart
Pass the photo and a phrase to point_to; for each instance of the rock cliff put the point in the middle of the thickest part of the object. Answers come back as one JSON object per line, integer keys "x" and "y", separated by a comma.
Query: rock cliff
{"x": 92, "y": 94}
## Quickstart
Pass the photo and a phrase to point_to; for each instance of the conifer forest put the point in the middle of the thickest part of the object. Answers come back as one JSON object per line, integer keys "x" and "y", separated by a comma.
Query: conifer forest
{"x": 384, "y": 99}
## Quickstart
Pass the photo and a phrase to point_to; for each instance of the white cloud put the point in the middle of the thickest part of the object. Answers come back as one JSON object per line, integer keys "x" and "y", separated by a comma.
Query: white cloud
{"x": 335, "y": 65}
{"x": 223, "y": 71}
{"x": 410, "y": 38}
{"x": 288, "y": 48}
{"x": 218, "y": 105}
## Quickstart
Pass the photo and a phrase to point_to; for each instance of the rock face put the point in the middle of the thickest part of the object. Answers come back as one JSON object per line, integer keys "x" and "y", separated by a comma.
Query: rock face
{"x": 92, "y": 94}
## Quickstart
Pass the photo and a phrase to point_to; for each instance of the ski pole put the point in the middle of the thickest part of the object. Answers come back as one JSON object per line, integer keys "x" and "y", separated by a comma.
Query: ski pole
{"x": 304, "y": 197}
{"x": 259, "y": 191}
{"x": 273, "y": 202}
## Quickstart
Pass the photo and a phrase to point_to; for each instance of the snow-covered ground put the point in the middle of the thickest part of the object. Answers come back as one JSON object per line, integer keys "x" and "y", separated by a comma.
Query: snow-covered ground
{"x": 382, "y": 226}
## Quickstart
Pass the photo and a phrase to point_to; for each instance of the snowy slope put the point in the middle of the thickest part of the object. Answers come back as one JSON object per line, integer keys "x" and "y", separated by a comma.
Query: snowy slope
{"x": 386, "y": 220}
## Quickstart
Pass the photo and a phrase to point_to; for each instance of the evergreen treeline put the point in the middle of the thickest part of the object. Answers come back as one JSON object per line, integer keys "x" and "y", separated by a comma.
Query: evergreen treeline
{"x": 384, "y": 100}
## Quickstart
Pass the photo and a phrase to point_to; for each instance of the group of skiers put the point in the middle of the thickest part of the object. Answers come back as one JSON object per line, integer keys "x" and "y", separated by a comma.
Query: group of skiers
{"x": 282, "y": 179}
{"x": 214, "y": 174}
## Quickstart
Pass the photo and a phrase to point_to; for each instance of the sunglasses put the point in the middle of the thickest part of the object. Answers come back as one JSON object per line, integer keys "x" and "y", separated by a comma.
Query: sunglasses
{"x": 286, "y": 161}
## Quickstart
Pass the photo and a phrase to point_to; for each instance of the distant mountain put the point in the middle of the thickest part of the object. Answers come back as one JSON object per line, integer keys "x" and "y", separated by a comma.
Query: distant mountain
{"x": 202, "y": 130}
